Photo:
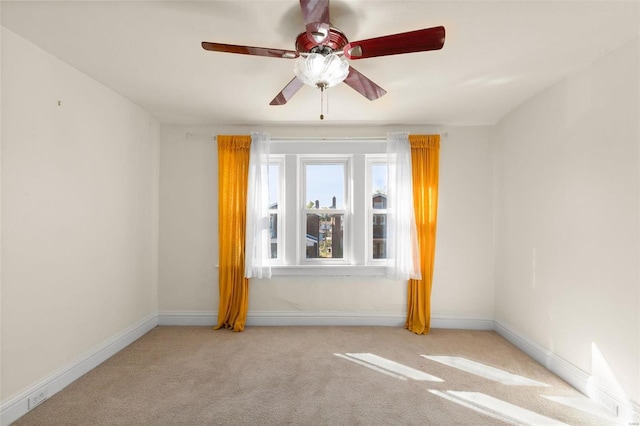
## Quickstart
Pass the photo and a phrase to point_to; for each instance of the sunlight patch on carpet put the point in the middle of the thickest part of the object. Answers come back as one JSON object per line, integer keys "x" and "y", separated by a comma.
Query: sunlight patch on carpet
{"x": 472, "y": 407}
{"x": 485, "y": 371}
{"x": 586, "y": 405}
{"x": 388, "y": 367}
{"x": 497, "y": 408}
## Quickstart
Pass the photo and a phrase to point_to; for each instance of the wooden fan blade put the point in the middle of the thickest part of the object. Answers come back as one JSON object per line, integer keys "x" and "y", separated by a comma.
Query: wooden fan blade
{"x": 363, "y": 85}
{"x": 249, "y": 50}
{"x": 412, "y": 41}
{"x": 287, "y": 93}
{"x": 316, "y": 19}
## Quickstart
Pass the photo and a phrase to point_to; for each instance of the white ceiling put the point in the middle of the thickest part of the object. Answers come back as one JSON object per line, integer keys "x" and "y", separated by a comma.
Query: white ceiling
{"x": 496, "y": 55}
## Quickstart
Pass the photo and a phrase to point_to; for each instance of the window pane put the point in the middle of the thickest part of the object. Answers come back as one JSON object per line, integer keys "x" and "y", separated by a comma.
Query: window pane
{"x": 273, "y": 232}
{"x": 325, "y": 236}
{"x": 379, "y": 185}
{"x": 325, "y": 186}
{"x": 379, "y": 233}
{"x": 274, "y": 185}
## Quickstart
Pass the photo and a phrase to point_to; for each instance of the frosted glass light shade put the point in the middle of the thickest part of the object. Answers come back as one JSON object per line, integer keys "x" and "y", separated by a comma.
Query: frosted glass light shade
{"x": 322, "y": 70}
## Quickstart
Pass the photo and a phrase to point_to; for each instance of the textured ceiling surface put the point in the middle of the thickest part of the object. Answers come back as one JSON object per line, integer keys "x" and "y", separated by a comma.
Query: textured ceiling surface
{"x": 496, "y": 55}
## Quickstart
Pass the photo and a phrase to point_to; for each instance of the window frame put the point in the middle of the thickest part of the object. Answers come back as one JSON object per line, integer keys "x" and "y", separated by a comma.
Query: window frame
{"x": 371, "y": 160}
{"x": 345, "y": 160}
{"x": 355, "y": 261}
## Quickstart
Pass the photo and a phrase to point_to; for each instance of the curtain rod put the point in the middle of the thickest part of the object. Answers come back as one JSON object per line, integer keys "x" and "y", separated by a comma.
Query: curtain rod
{"x": 328, "y": 138}
{"x": 310, "y": 138}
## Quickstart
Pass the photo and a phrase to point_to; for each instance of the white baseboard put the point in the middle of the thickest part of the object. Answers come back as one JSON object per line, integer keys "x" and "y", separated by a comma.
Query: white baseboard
{"x": 461, "y": 323}
{"x": 627, "y": 411}
{"x": 297, "y": 318}
{"x": 188, "y": 318}
{"x": 18, "y": 406}
{"x": 568, "y": 372}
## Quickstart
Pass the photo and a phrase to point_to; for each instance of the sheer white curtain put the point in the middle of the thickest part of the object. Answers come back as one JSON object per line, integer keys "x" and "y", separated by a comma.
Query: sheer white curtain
{"x": 402, "y": 237}
{"x": 257, "y": 241}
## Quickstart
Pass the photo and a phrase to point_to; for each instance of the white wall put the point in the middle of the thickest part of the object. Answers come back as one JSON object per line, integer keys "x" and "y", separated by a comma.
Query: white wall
{"x": 79, "y": 214}
{"x": 567, "y": 221}
{"x": 188, "y": 280}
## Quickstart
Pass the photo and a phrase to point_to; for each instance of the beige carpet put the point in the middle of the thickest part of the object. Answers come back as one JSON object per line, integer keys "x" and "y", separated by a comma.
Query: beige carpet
{"x": 292, "y": 376}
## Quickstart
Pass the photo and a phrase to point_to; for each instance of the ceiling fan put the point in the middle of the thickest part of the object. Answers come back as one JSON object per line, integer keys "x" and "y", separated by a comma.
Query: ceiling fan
{"x": 324, "y": 51}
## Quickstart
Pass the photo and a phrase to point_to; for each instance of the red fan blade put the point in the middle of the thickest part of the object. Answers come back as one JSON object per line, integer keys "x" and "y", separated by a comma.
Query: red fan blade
{"x": 248, "y": 50}
{"x": 315, "y": 11}
{"x": 288, "y": 91}
{"x": 363, "y": 85}
{"x": 412, "y": 41}
{"x": 316, "y": 18}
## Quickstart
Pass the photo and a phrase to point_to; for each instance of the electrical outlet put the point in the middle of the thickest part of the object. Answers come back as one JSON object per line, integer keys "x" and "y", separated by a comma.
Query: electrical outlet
{"x": 37, "y": 398}
{"x": 609, "y": 404}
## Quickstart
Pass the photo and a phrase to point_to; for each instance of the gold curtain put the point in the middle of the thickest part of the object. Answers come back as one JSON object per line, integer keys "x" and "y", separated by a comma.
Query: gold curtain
{"x": 233, "y": 168}
{"x": 425, "y": 158}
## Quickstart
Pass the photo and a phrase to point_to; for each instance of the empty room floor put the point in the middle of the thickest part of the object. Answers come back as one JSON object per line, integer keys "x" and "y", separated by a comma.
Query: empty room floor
{"x": 318, "y": 375}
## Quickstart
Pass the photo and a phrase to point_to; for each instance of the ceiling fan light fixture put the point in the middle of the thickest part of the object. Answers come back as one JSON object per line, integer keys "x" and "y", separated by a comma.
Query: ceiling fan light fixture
{"x": 322, "y": 70}
{"x": 323, "y": 53}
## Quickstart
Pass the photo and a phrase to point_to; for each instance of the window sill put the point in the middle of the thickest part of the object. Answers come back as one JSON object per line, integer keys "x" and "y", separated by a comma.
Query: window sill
{"x": 328, "y": 270}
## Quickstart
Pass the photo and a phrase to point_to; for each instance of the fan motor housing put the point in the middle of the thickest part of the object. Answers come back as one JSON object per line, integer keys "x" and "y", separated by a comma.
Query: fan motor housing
{"x": 334, "y": 42}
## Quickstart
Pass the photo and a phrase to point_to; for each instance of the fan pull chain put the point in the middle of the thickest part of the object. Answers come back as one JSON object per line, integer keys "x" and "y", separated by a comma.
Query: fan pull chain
{"x": 321, "y": 102}
{"x": 327, "y": 108}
